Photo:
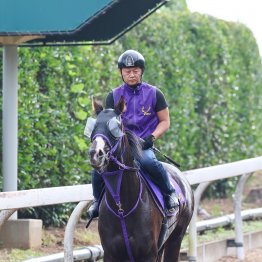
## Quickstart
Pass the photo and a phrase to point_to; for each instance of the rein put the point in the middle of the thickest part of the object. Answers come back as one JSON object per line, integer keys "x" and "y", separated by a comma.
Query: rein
{"x": 114, "y": 190}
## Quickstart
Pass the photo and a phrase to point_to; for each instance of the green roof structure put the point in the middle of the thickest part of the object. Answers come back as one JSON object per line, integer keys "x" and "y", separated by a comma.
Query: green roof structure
{"x": 68, "y": 22}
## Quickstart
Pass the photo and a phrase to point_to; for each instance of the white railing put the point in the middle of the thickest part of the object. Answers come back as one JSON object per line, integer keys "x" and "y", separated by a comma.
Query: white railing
{"x": 11, "y": 201}
{"x": 45, "y": 196}
{"x": 207, "y": 174}
{"x": 59, "y": 195}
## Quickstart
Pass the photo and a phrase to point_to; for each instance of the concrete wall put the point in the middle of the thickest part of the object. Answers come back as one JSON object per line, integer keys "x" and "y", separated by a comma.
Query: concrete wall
{"x": 22, "y": 233}
{"x": 213, "y": 251}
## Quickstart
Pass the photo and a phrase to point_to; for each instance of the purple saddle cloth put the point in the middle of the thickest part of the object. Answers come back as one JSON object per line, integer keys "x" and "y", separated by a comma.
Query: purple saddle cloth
{"x": 157, "y": 195}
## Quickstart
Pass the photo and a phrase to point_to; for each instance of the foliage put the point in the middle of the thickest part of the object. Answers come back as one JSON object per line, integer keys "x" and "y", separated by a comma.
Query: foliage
{"x": 53, "y": 215}
{"x": 54, "y": 102}
{"x": 209, "y": 70}
{"x": 212, "y": 84}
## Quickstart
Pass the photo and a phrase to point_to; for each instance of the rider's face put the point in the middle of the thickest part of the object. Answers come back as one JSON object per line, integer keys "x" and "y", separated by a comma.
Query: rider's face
{"x": 132, "y": 75}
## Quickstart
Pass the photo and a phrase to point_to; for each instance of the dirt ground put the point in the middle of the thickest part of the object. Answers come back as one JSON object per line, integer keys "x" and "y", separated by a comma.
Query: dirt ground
{"x": 56, "y": 236}
{"x": 53, "y": 238}
{"x": 254, "y": 255}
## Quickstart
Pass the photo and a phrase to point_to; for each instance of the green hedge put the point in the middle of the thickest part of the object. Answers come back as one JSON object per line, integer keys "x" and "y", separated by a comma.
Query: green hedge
{"x": 209, "y": 69}
{"x": 211, "y": 72}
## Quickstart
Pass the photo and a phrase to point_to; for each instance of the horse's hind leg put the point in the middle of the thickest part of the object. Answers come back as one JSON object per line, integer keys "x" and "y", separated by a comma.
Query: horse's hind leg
{"x": 173, "y": 244}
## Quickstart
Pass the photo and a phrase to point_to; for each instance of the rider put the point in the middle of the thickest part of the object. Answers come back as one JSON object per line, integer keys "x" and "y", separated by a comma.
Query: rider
{"x": 147, "y": 116}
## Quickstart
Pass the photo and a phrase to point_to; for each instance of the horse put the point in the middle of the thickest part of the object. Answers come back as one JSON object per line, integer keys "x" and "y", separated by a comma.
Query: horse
{"x": 131, "y": 225}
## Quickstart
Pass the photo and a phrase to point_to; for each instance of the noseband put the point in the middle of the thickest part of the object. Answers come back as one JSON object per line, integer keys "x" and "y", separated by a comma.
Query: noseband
{"x": 115, "y": 190}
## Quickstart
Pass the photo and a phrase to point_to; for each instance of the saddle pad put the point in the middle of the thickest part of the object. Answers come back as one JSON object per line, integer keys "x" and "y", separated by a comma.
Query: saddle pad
{"x": 157, "y": 195}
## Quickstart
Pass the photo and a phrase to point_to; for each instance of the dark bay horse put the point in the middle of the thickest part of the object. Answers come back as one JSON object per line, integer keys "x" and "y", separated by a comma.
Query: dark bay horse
{"x": 131, "y": 225}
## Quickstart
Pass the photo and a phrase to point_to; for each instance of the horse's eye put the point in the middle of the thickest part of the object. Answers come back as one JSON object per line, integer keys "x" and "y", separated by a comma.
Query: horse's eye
{"x": 114, "y": 126}
{"x": 90, "y": 124}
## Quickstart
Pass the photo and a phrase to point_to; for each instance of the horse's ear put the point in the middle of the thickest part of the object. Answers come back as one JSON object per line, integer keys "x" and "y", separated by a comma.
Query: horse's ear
{"x": 97, "y": 107}
{"x": 121, "y": 106}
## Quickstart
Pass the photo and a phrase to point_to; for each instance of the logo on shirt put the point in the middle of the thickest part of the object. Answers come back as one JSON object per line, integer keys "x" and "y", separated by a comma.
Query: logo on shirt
{"x": 146, "y": 112}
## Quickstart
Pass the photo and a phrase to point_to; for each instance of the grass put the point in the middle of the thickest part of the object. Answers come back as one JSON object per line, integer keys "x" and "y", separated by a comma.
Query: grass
{"x": 87, "y": 237}
{"x": 48, "y": 239}
{"x": 18, "y": 255}
{"x": 216, "y": 210}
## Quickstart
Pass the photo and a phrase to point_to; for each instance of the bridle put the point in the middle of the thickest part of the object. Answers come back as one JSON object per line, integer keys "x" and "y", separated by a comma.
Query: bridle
{"x": 115, "y": 192}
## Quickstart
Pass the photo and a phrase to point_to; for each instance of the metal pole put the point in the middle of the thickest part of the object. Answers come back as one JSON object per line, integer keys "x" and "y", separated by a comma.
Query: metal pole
{"x": 192, "y": 240}
{"x": 10, "y": 118}
{"x": 70, "y": 228}
{"x": 192, "y": 249}
{"x": 239, "y": 239}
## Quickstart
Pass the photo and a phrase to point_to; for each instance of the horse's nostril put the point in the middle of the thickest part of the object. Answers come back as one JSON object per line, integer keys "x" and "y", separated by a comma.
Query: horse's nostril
{"x": 92, "y": 152}
{"x": 96, "y": 153}
{"x": 100, "y": 153}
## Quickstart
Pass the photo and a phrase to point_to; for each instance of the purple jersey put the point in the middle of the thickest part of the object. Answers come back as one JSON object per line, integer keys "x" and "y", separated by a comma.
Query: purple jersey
{"x": 140, "y": 116}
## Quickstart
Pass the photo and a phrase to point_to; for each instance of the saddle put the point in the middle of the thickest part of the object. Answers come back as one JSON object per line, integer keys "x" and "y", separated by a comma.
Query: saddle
{"x": 169, "y": 219}
{"x": 155, "y": 191}
{"x": 157, "y": 195}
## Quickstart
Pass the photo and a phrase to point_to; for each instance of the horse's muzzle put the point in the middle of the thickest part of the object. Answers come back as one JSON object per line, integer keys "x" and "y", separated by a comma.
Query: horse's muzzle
{"x": 98, "y": 158}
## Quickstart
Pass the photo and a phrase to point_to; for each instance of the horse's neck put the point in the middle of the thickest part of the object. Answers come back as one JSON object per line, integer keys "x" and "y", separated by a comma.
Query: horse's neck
{"x": 130, "y": 184}
{"x": 130, "y": 181}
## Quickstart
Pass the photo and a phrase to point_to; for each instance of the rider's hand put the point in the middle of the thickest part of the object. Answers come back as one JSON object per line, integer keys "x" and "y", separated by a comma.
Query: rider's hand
{"x": 148, "y": 142}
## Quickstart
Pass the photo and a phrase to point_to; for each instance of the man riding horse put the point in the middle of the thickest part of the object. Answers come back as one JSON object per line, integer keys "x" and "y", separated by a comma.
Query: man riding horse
{"x": 146, "y": 114}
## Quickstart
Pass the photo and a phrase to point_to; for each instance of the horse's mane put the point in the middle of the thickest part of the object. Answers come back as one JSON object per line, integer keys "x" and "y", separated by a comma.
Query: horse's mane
{"x": 135, "y": 144}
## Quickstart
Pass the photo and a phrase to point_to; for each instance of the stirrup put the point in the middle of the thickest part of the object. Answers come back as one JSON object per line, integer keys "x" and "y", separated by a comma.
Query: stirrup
{"x": 92, "y": 211}
{"x": 172, "y": 210}
{"x": 172, "y": 202}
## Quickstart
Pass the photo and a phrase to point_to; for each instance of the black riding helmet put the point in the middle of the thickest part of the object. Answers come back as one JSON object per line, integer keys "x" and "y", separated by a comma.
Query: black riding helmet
{"x": 131, "y": 58}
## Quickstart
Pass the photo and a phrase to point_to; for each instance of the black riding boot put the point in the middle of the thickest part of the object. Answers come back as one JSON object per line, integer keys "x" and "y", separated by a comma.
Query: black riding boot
{"x": 168, "y": 191}
{"x": 98, "y": 186}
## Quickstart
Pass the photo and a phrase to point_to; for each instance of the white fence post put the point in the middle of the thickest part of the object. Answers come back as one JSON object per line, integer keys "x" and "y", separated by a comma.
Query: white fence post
{"x": 69, "y": 232}
{"x": 10, "y": 119}
{"x": 239, "y": 240}
{"x": 192, "y": 250}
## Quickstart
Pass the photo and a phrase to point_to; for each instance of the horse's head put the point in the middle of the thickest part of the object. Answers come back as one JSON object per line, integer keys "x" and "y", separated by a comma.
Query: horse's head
{"x": 104, "y": 132}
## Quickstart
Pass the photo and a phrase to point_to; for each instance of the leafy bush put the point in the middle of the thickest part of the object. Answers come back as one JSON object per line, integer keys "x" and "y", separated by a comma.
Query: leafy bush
{"x": 210, "y": 71}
